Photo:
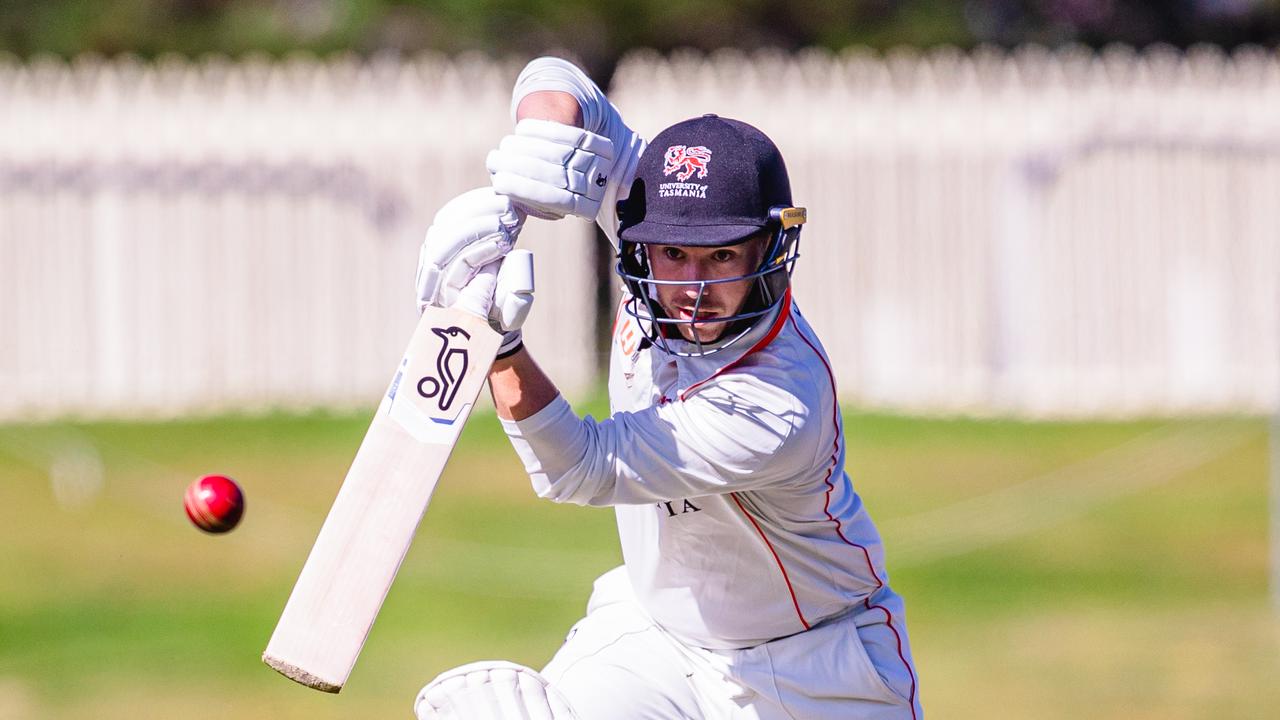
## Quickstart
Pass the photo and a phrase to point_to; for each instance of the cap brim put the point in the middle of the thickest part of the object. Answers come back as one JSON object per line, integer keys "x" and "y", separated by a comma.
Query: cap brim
{"x": 651, "y": 233}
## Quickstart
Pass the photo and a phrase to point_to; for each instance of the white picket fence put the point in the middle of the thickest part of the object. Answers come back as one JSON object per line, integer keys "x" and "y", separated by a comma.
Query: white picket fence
{"x": 1044, "y": 234}
{"x": 186, "y": 237}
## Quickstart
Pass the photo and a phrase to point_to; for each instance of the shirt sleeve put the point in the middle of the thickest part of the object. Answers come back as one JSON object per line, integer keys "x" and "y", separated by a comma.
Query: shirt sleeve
{"x": 599, "y": 116}
{"x": 736, "y": 434}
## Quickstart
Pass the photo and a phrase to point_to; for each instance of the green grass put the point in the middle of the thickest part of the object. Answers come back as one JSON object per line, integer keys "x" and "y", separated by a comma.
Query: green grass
{"x": 1143, "y": 604}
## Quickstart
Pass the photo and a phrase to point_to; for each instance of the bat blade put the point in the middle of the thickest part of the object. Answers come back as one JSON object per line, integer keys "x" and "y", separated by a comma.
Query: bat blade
{"x": 386, "y": 492}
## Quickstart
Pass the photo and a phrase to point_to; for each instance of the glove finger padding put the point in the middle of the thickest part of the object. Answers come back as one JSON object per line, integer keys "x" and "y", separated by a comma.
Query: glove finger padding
{"x": 544, "y": 161}
{"x": 467, "y": 263}
{"x": 553, "y": 169}
{"x": 541, "y": 161}
{"x": 478, "y": 202}
{"x": 541, "y": 200}
{"x": 476, "y": 297}
{"x": 513, "y": 292}
{"x": 469, "y": 231}
{"x": 545, "y": 201}
{"x": 491, "y": 690}
{"x": 469, "y": 242}
{"x": 565, "y": 137}
{"x": 569, "y": 135}
{"x": 535, "y": 169}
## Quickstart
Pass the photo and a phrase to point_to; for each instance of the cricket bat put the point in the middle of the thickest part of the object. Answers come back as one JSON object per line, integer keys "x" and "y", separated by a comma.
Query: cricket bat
{"x": 377, "y": 511}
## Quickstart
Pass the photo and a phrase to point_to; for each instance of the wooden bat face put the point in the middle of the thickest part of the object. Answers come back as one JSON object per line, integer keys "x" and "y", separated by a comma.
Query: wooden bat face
{"x": 386, "y": 491}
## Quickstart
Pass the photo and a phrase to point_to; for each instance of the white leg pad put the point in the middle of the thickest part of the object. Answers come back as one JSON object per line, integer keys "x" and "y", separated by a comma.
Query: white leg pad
{"x": 491, "y": 690}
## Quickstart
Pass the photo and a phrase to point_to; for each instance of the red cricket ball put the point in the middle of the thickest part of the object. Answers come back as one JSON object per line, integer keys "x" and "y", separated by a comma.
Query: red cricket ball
{"x": 214, "y": 503}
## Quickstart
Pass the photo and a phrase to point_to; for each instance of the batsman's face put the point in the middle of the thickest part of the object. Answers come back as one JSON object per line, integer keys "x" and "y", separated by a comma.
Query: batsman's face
{"x": 695, "y": 264}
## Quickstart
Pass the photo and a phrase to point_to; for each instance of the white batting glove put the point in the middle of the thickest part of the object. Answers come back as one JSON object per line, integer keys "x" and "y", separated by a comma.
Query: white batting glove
{"x": 470, "y": 231}
{"x": 502, "y": 291}
{"x": 491, "y": 690}
{"x": 513, "y": 292}
{"x": 552, "y": 170}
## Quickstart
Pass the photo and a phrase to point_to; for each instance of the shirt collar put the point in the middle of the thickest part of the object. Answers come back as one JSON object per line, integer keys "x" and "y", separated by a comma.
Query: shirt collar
{"x": 694, "y": 372}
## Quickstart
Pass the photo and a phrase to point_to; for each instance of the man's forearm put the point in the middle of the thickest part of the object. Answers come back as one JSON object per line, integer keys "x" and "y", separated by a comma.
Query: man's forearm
{"x": 551, "y": 105}
{"x": 520, "y": 388}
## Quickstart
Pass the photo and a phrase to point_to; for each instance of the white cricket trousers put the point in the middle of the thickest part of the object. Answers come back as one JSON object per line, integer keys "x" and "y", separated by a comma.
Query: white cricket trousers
{"x": 617, "y": 664}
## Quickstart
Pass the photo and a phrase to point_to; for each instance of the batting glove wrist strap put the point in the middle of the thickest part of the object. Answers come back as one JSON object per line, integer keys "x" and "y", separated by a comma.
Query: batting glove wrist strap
{"x": 511, "y": 344}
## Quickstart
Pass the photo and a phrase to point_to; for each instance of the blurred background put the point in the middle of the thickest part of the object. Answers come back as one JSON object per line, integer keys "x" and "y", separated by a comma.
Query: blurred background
{"x": 1042, "y": 254}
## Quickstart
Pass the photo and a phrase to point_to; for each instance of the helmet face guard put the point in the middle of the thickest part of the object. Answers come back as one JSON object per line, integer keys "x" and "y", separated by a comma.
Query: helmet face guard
{"x": 770, "y": 281}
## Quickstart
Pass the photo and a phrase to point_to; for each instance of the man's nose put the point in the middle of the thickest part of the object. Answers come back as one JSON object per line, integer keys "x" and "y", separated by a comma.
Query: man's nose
{"x": 691, "y": 272}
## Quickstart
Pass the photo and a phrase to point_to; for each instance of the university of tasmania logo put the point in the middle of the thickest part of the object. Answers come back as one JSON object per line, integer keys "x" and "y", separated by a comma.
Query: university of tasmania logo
{"x": 686, "y": 161}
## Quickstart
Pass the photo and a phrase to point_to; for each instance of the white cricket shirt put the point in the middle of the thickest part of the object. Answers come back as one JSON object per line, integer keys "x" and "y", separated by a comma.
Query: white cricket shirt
{"x": 737, "y": 520}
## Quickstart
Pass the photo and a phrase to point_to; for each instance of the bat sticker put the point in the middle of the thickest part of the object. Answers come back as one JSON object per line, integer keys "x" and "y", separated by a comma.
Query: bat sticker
{"x": 451, "y": 368}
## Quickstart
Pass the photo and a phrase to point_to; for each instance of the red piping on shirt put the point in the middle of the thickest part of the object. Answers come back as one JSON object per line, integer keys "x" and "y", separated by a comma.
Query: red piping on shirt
{"x": 888, "y": 616}
{"x": 617, "y": 315}
{"x": 785, "y": 577}
{"x": 826, "y": 508}
{"x": 835, "y": 454}
{"x": 784, "y": 311}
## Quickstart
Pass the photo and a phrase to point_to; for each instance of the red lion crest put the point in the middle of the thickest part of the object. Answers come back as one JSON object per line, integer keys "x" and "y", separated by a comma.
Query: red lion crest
{"x": 687, "y": 160}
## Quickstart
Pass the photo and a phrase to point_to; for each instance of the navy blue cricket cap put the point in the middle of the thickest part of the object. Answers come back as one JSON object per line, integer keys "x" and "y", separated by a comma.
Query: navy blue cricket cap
{"x": 704, "y": 182}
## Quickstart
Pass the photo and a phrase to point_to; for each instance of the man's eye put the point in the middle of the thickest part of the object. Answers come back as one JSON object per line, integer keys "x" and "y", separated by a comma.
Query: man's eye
{"x": 672, "y": 253}
{"x": 722, "y": 256}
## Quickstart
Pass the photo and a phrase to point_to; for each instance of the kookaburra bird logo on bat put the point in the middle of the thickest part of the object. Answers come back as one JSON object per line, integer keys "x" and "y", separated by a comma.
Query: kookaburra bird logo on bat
{"x": 451, "y": 368}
